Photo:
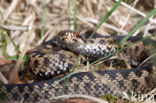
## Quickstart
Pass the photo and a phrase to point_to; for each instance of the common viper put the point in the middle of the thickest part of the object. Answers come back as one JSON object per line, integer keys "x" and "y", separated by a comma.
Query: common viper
{"x": 58, "y": 55}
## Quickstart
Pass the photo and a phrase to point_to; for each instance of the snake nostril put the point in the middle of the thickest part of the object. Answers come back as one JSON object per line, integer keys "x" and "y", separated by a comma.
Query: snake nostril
{"x": 36, "y": 63}
{"x": 136, "y": 48}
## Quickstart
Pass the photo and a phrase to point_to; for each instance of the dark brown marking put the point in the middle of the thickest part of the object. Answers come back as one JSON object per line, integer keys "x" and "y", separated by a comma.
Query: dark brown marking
{"x": 102, "y": 41}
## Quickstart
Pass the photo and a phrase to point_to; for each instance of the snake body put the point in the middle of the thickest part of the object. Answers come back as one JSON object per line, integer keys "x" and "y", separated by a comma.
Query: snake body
{"x": 59, "y": 55}
{"x": 47, "y": 64}
{"x": 88, "y": 83}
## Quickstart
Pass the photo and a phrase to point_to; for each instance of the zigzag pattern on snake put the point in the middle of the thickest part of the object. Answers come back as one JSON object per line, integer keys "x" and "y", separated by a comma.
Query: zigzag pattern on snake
{"x": 56, "y": 60}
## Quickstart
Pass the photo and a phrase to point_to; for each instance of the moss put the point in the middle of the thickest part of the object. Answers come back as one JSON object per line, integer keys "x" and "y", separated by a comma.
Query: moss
{"x": 108, "y": 97}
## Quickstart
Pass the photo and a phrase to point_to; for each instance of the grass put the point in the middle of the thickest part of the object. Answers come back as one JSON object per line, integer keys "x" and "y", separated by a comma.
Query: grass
{"x": 5, "y": 39}
{"x": 4, "y": 43}
{"x": 106, "y": 17}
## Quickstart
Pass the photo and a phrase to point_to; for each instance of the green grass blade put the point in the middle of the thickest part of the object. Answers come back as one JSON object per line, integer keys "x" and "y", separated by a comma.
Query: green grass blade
{"x": 12, "y": 58}
{"x": 15, "y": 46}
{"x": 5, "y": 37}
{"x": 16, "y": 57}
{"x": 106, "y": 17}
{"x": 43, "y": 20}
{"x": 138, "y": 26}
{"x": 75, "y": 14}
{"x": 4, "y": 42}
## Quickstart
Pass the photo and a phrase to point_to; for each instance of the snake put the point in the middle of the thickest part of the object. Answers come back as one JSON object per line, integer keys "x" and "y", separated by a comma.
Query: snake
{"x": 59, "y": 55}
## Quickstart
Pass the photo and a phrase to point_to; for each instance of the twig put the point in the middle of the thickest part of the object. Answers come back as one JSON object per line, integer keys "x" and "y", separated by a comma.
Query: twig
{"x": 81, "y": 96}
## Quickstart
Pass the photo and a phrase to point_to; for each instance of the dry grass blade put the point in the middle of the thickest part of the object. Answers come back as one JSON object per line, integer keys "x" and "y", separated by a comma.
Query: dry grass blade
{"x": 94, "y": 21}
{"x": 14, "y": 74}
{"x": 18, "y": 28}
{"x": 137, "y": 11}
{"x": 10, "y": 9}
{"x": 3, "y": 79}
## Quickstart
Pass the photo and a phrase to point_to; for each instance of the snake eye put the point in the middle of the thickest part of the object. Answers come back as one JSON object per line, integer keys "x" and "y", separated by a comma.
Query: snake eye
{"x": 111, "y": 41}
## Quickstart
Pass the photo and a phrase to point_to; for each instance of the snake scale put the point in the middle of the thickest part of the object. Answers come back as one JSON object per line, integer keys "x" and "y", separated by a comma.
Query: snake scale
{"x": 58, "y": 56}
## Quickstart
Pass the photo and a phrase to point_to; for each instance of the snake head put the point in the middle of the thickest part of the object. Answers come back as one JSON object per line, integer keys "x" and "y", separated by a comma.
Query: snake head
{"x": 70, "y": 37}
